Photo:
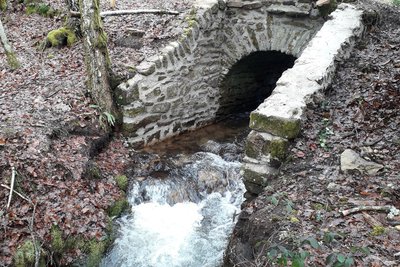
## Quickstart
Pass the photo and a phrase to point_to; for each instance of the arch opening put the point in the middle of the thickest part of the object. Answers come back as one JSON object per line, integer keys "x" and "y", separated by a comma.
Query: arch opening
{"x": 251, "y": 80}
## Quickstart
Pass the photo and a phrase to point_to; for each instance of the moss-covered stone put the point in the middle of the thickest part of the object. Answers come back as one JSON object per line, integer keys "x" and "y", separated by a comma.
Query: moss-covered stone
{"x": 277, "y": 148}
{"x": 25, "y": 255}
{"x": 287, "y": 128}
{"x": 57, "y": 241}
{"x": 61, "y": 37}
{"x": 122, "y": 182}
{"x": 118, "y": 208}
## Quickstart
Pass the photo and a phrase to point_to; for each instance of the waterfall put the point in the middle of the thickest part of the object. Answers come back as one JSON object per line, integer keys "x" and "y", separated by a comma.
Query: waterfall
{"x": 184, "y": 208}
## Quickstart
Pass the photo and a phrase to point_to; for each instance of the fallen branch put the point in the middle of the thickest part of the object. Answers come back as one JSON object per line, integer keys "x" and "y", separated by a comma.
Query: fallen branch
{"x": 365, "y": 208}
{"x": 12, "y": 186}
{"x": 130, "y": 12}
{"x": 19, "y": 194}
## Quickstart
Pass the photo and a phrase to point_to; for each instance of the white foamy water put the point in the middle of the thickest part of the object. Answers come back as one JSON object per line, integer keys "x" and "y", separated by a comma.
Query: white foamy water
{"x": 184, "y": 234}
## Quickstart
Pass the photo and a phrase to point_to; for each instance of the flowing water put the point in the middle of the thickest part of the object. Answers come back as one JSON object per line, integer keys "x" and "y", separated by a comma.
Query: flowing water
{"x": 185, "y": 195}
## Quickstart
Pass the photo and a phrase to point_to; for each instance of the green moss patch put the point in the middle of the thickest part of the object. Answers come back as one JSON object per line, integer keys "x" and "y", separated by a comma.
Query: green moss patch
{"x": 118, "y": 208}
{"x": 3, "y": 5}
{"x": 12, "y": 60}
{"x": 25, "y": 255}
{"x": 277, "y": 148}
{"x": 61, "y": 37}
{"x": 122, "y": 182}
{"x": 101, "y": 42}
{"x": 96, "y": 251}
{"x": 41, "y": 9}
{"x": 286, "y": 128}
{"x": 57, "y": 242}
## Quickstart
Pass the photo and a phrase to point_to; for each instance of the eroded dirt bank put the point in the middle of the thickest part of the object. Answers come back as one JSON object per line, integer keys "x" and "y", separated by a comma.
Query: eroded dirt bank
{"x": 298, "y": 218}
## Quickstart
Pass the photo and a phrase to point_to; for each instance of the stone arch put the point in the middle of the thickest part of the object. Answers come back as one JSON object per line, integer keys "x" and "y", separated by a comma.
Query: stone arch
{"x": 178, "y": 90}
{"x": 251, "y": 80}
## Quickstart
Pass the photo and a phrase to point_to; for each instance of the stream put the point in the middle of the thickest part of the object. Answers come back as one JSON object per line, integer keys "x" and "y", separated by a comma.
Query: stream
{"x": 185, "y": 195}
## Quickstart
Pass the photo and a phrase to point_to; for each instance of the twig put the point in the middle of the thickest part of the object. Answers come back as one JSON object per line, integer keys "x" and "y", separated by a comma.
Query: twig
{"x": 12, "y": 186}
{"x": 37, "y": 250}
{"x": 130, "y": 12}
{"x": 365, "y": 208}
{"x": 52, "y": 94}
{"x": 20, "y": 195}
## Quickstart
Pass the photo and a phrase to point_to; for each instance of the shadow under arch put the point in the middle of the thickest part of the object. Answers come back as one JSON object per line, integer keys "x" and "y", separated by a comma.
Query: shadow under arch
{"x": 251, "y": 80}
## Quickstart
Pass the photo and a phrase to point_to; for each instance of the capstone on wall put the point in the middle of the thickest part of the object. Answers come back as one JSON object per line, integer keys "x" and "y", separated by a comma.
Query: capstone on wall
{"x": 179, "y": 89}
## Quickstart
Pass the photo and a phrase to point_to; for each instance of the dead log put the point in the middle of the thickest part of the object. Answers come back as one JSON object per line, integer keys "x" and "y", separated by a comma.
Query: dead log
{"x": 96, "y": 57}
{"x": 11, "y": 58}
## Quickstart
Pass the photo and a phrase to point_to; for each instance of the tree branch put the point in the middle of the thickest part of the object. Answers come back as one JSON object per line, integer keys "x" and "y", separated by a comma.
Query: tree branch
{"x": 130, "y": 12}
{"x": 365, "y": 208}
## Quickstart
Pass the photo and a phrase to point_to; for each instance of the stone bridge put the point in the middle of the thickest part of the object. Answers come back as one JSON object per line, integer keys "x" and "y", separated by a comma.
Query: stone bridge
{"x": 231, "y": 59}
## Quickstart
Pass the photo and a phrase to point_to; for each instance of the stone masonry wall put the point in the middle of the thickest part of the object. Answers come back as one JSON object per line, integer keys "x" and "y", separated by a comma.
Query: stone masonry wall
{"x": 178, "y": 90}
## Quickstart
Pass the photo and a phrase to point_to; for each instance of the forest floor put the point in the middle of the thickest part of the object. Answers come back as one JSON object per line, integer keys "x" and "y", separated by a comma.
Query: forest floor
{"x": 51, "y": 133}
{"x": 52, "y": 140}
{"x": 302, "y": 216}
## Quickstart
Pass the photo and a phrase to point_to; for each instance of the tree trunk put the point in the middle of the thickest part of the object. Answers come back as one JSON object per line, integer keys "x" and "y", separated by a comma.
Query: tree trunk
{"x": 72, "y": 22}
{"x": 11, "y": 58}
{"x": 96, "y": 57}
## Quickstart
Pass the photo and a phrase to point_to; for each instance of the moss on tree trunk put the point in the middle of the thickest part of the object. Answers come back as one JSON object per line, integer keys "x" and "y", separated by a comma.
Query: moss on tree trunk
{"x": 11, "y": 58}
{"x": 96, "y": 56}
{"x": 3, "y": 5}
